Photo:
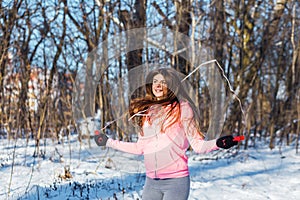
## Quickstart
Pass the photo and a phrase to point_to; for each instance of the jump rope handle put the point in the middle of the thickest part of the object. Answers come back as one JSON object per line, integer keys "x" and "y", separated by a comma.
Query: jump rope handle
{"x": 239, "y": 138}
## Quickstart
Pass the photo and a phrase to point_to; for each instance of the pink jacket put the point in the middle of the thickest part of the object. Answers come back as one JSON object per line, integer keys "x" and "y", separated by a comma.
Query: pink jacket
{"x": 164, "y": 153}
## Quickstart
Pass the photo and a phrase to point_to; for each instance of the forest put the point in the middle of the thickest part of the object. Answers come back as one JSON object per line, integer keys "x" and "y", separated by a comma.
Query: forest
{"x": 49, "y": 50}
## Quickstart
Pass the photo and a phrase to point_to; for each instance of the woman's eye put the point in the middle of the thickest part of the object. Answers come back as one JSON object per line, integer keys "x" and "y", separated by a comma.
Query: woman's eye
{"x": 159, "y": 82}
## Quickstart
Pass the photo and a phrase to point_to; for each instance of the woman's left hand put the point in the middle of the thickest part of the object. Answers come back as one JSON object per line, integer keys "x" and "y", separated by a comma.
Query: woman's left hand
{"x": 226, "y": 142}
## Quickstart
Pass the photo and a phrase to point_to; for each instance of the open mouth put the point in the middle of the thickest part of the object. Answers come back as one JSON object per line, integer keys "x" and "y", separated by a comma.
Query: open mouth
{"x": 158, "y": 90}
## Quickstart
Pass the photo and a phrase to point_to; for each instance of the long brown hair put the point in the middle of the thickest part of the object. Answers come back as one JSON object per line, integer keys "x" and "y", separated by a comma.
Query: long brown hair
{"x": 175, "y": 94}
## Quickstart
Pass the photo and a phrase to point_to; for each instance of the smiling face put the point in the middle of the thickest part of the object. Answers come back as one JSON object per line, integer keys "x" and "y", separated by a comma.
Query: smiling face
{"x": 159, "y": 86}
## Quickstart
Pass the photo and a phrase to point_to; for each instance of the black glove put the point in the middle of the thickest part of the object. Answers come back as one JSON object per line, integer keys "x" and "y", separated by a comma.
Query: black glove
{"x": 100, "y": 138}
{"x": 226, "y": 142}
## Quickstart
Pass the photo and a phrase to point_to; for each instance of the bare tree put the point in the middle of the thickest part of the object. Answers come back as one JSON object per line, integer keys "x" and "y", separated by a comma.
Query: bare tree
{"x": 59, "y": 43}
{"x": 255, "y": 42}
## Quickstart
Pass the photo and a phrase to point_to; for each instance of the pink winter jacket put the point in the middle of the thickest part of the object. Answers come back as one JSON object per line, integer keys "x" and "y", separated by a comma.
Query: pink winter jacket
{"x": 164, "y": 153}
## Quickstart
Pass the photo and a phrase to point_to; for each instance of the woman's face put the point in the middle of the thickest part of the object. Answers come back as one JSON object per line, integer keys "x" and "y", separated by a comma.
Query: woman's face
{"x": 159, "y": 86}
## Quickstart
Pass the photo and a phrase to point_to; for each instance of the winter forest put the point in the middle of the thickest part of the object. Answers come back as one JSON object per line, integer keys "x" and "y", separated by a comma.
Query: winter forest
{"x": 54, "y": 54}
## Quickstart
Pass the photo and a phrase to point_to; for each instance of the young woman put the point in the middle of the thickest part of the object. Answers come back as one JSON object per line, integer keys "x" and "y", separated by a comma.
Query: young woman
{"x": 169, "y": 124}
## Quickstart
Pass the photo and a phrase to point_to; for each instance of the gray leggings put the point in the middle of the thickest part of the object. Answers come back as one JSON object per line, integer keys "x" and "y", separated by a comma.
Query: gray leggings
{"x": 167, "y": 189}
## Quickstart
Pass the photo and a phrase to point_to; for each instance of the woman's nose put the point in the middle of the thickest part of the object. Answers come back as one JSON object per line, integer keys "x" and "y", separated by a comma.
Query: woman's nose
{"x": 159, "y": 85}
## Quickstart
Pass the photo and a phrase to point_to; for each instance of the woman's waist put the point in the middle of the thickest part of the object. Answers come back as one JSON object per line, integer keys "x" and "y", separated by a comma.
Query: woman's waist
{"x": 170, "y": 166}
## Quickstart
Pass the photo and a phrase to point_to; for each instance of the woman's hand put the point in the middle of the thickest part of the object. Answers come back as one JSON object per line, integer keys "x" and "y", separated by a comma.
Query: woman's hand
{"x": 226, "y": 142}
{"x": 100, "y": 138}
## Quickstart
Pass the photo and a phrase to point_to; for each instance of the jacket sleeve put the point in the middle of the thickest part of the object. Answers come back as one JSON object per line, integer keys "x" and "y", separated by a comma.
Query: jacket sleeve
{"x": 202, "y": 146}
{"x": 198, "y": 144}
{"x": 128, "y": 147}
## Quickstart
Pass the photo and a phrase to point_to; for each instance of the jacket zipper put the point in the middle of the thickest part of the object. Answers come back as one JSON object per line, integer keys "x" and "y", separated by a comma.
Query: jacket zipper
{"x": 155, "y": 156}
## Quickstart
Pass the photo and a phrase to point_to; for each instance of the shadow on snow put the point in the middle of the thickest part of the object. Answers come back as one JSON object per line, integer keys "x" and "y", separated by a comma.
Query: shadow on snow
{"x": 112, "y": 188}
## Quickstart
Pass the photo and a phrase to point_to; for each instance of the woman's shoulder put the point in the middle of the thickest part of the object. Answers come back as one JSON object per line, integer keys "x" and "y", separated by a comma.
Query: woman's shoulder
{"x": 186, "y": 110}
{"x": 184, "y": 103}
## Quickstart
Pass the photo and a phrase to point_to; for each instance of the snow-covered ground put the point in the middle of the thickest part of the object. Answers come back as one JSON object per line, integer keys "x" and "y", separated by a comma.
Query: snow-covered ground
{"x": 96, "y": 173}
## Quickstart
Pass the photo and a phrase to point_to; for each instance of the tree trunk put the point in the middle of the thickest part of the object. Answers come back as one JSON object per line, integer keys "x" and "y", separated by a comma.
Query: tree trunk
{"x": 182, "y": 29}
{"x": 134, "y": 58}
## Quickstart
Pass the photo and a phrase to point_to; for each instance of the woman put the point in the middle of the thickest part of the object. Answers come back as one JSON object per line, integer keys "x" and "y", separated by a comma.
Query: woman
{"x": 169, "y": 124}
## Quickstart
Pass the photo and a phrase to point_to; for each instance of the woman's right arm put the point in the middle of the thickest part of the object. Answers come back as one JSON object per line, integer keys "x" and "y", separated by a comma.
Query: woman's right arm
{"x": 128, "y": 147}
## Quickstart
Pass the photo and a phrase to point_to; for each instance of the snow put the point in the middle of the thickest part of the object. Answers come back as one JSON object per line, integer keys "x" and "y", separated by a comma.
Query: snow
{"x": 99, "y": 173}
